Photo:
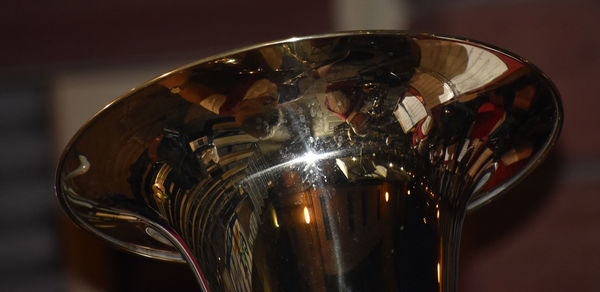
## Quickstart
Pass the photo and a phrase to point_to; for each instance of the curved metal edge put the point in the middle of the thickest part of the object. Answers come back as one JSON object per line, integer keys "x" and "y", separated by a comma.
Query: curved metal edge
{"x": 115, "y": 242}
{"x": 536, "y": 160}
{"x": 186, "y": 253}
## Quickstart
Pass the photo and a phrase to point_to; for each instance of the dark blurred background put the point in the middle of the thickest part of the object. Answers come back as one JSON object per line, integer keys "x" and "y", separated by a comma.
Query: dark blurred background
{"x": 61, "y": 61}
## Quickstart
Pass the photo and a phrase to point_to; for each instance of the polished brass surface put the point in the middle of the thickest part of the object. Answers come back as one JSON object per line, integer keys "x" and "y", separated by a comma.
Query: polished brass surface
{"x": 341, "y": 162}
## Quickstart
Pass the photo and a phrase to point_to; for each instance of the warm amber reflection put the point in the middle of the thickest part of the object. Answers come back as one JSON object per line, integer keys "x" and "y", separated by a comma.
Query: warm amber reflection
{"x": 306, "y": 215}
{"x": 274, "y": 215}
{"x": 439, "y": 273}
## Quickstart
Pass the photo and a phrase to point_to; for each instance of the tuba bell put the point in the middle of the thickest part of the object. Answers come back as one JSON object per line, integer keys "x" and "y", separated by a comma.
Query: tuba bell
{"x": 338, "y": 162}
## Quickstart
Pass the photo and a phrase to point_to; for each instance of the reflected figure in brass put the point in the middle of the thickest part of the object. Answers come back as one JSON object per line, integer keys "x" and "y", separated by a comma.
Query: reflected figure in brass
{"x": 341, "y": 162}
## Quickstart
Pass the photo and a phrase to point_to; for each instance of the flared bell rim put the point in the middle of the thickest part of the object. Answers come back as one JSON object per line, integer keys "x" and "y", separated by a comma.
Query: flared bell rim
{"x": 475, "y": 202}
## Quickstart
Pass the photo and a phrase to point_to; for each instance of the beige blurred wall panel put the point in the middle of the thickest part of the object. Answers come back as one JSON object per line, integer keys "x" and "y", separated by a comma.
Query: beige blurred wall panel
{"x": 375, "y": 14}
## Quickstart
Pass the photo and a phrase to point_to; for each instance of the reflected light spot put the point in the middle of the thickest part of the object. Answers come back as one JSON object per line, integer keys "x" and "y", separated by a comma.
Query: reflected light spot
{"x": 353, "y": 158}
{"x": 310, "y": 157}
{"x": 408, "y": 192}
{"x": 438, "y": 214}
{"x": 391, "y": 164}
{"x": 306, "y": 215}
{"x": 438, "y": 272}
{"x": 275, "y": 221}
{"x": 387, "y": 196}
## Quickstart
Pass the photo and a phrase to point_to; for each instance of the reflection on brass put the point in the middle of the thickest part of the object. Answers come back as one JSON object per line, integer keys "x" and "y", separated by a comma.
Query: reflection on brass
{"x": 342, "y": 162}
